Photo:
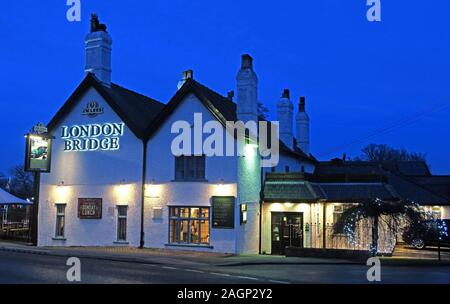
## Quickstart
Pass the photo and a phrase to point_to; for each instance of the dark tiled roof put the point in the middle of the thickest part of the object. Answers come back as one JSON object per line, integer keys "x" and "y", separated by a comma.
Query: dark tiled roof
{"x": 407, "y": 189}
{"x": 289, "y": 191}
{"x": 439, "y": 184}
{"x": 353, "y": 188}
{"x": 139, "y": 108}
{"x": 136, "y": 110}
{"x": 354, "y": 192}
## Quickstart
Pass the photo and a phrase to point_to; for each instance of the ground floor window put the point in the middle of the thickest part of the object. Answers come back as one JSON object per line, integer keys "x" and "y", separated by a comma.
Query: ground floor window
{"x": 189, "y": 225}
{"x": 122, "y": 223}
{"x": 338, "y": 211}
{"x": 60, "y": 220}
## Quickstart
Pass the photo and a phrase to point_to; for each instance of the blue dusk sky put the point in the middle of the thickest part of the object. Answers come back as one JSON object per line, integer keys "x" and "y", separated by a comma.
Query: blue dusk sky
{"x": 386, "y": 82}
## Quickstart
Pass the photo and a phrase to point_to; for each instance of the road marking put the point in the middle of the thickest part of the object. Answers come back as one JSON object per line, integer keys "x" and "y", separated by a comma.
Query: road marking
{"x": 220, "y": 274}
{"x": 278, "y": 282}
{"x": 192, "y": 270}
{"x": 171, "y": 268}
{"x": 247, "y": 278}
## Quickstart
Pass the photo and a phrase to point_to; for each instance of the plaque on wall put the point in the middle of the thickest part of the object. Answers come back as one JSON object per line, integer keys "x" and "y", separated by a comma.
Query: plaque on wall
{"x": 90, "y": 208}
{"x": 223, "y": 212}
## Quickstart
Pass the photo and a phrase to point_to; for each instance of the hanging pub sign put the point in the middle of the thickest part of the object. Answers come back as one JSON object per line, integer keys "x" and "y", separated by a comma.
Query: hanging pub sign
{"x": 38, "y": 150}
{"x": 223, "y": 212}
{"x": 90, "y": 208}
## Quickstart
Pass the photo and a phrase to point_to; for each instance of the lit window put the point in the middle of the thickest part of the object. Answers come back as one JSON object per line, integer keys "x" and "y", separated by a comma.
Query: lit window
{"x": 60, "y": 220}
{"x": 122, "y": 223}
{"x": 189, "y": 225}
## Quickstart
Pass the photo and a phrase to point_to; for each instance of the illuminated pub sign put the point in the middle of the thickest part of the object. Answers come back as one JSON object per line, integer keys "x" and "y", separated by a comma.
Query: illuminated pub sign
{"x": 90, "y": 208}
{"x": 92, "y": 137}
{"x": 38, "y": 150}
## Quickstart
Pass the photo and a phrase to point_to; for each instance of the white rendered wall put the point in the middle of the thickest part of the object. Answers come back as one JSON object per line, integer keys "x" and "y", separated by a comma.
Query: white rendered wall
{"x": 166, "y": 192}
{"x": 95, "y": 174}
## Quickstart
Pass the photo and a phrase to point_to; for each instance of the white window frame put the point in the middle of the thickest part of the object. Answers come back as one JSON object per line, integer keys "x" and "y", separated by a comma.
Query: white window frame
{"x": 58, "y": 215}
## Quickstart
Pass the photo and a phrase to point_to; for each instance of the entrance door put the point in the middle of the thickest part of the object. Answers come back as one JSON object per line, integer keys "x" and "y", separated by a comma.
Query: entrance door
{"x": 287, "y": 230}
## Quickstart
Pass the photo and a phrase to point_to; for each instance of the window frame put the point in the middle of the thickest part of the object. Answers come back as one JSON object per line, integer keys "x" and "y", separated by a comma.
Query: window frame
{"x": 119, "y": 216}
{"x": 63, "y": 216}
{"x": 198, "y": 161}
{"x": 179, "y": 219}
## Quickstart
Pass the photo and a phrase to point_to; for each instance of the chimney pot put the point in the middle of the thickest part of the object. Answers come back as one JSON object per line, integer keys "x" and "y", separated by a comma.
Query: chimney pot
{"x": 247, "y": 62}
{"x": 286, "y": 94}
{"x": 230, "y": 95}
{"x": 302, "y": 105}
{"x": 188, "y": 74}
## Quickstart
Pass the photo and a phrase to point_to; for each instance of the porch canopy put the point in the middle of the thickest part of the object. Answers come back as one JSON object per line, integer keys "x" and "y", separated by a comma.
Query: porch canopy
{"x": 8, "y": 199}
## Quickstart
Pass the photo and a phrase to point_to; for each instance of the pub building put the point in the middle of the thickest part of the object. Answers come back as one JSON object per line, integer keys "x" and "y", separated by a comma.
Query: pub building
{"x": 114, "y": 180}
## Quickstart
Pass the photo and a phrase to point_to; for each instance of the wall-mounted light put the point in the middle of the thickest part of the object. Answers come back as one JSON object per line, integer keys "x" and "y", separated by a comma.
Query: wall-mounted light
{"x": 123, "y": 193}
{"x": 288, "y": 205}
{"x": 62, "y": 193}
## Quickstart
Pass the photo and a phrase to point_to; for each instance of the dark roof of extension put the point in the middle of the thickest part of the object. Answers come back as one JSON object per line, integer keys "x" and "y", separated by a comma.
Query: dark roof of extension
{"x": 136, "y": 110}
{"x": 406, "y": 168}
{"x": 402, "y": 177}
{"x": 298, "y": 187}
{"x": 221, "y": 107}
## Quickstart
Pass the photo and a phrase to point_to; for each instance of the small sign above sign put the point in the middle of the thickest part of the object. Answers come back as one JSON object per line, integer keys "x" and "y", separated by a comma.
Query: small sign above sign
{"x": 90, "y": 208}
{"x": 92, "y": 109}
{"x": 39, "y": 128}
{"x": 223, "y": 212}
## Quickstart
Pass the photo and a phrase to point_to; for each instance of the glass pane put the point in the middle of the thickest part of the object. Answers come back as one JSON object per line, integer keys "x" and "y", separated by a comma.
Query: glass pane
{"x": 122, "y": 229}
{"x": 60, "y": 226}
{"x": 190, "y": 167}
{"x": 173, "y": 233}
{"x": 204, "y": 232}
{"x": 122, "y": 210}
{"x": 205, "y": 213}
{"x": 60, "y": 209}
{"x": 194, "y": 232}
{"x": 200, "y": 167}
{"x": 184, "y": 231}
{"x": 184, "y": 212}
{"x": 194, "y": 212}
{"x": 179, "y": 167}
{"x": 174, "y": 212}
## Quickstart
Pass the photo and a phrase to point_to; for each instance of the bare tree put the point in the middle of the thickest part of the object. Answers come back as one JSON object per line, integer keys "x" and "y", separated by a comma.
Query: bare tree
{"x": 21, "y": 183}
{"x": 385, "y": 153}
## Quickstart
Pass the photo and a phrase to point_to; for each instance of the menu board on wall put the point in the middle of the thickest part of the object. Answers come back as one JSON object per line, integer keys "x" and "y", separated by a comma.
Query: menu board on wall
{"x": 223, "y": 212}
{"x": 90, "y": 208}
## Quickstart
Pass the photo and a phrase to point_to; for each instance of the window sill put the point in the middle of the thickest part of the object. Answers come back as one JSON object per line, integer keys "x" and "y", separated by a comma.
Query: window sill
{"x": 59, "y": 239}
{"x": 188, "y": 245}
{"x": 121, "y": 243}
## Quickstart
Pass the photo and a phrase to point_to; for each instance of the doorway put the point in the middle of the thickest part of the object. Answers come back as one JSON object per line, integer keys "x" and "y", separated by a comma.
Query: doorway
{"x": 287, "y": 231}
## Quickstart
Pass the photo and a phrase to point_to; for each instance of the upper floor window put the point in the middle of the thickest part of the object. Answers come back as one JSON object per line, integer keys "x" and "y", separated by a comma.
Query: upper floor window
{"x": 190, "y": 168}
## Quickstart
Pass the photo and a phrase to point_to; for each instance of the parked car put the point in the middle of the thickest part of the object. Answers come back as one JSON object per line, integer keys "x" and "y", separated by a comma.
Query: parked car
{"x": 428, "y": 234}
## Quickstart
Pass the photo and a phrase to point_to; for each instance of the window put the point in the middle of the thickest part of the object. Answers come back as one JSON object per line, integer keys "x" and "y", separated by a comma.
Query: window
{"x": 190, "y": 168}
{"x": 189, "y": 225}
{"x": 337, "y": 212}
{"x": 60, "y": 220}
{"x": 122, "y": 223}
